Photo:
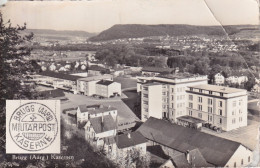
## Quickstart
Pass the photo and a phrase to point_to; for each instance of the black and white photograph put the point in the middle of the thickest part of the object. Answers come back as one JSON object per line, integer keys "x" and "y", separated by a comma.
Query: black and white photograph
{"x": 129, "y": 84}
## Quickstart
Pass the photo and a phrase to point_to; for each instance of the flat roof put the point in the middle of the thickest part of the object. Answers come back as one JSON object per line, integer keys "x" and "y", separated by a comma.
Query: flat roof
{"x": 216, "y": 88}
{"x": 191, "y": 119}
{"x": 180, "y": 76}
{"x": 93, "y": 78}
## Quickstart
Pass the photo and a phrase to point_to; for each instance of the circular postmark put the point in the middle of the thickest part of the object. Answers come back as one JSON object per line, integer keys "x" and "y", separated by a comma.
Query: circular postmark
{"x": 33, "y": 126}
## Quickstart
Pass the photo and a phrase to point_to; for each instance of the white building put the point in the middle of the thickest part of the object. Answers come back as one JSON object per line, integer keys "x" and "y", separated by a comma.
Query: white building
{"x": 223, "y": 107}
{"x": 87, "y": 86}
{"x": 108, "y": 88}
{"x": 84, "y": 112}
{"x": 171, "y": 102}
{"x": 219, "y": 79}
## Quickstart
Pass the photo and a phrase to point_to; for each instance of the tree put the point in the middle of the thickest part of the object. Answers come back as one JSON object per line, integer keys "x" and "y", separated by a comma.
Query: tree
{"x": 15, "y": 47}
{"x": 250, "y": 83}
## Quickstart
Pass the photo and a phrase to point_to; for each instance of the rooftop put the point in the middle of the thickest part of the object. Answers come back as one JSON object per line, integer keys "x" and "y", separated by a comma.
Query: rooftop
{"x": 60, "y": 75}
{"x": 107, "y": 124}
{"x": 214, "y": 149}
{"x": 180, "y": 76}
{"x": 128, "y": 140}
{"x": 52, "y": 93}
{"x": 191, "y": 119}
{"x": 216, "y": 88}
{"x": 105, "y": 82}
{"x": 96, "y": 68}
{"x": 94, "y": 78}
{"x": 95, "y": 109}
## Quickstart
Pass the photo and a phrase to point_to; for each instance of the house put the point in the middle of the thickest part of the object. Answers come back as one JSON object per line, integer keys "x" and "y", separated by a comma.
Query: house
{"x": 237, "y": 78}
{"x": 97, "y": 70}
{"x": 153, "y": 71}
{"x": 256, "y": 88}
{"x": 56, "y": 93}
{"x": 177, "y": 140}
{"x": 219, "y": 79}
{"x": 120, "y": 145}
{"x": 98, "y": 128}
{"x": 108, "y": 88}
{"x": 85, "y": 112}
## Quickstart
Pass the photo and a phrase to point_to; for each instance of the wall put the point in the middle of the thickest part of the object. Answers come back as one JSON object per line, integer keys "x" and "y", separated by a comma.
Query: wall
{"x": 241, "y": 153}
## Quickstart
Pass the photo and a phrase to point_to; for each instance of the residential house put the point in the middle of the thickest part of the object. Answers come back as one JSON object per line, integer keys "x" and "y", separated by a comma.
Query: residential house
{"x": 98, "y": 128}
{"x": 108, "y": 88}
{"x": 85, "y": 112}
{"x": 219, "y": 79}
{"x": 177, "y": 140}
{"x": 120, "y": 145}
{"x": 237, "y": 78}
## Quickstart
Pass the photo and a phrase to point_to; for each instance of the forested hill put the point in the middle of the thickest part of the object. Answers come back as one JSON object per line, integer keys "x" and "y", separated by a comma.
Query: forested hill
{"x": 136, "y": 30}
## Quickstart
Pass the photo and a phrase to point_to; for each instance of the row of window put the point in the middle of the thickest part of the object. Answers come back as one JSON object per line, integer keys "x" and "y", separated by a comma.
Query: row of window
{"x": 242, "y": 162}
{"x": 209, "y": 92}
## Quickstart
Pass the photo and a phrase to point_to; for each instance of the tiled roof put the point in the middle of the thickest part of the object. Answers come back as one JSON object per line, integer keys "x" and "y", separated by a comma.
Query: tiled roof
{"x": 214, "y": 149}
{"x": 107, "y": 124}
{"x": 105, "y": 82}
{"x": 60, "y": 75}
{"x": 95, "y": 109}
{"x": 124, "y": 141}
{"x": 180, "y": 161}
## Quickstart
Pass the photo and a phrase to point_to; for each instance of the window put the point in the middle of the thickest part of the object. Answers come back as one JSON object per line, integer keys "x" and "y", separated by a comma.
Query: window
{"x": 234, "y": 112}
{"x": 220, "y": 104}
{"x": 190, "y": 97}
{"x": 221, "y": 94}
{"x": 172, "y": 97}
{"x": 145, "y": 95}
{"x": 200, "y": 90}
{"x": 145, "y": 88}
{"x": 220, "y": 112}
{"x": 199, "y": 115}
{"x": 235, "y": 164}
{"x": 190, "y": 105}
{"x": 146, "y": 109}
{"x": 210, "y": 101}
{"x": 210, "y": 109}
{"x": 242, "y": 162}
{"x": 172, "y": 90}
{"x": 220, "y": 120}
{"x": 234, "y": 103}
{"x": 233, "y": 121}
{"x": 240, "y": 119}
{"x": 172, "y": 105}
{"x": 248, "y": 158}
{"x": 210, "y": 118}
{"x": 191, "y": 89}
{"x": 146, "y": 102}
{"x": 190, "y": 112}
{"x": 164, "y": 93}
{"x": 240, "y": 102}
{"x": 210, "y": 92}
{"x": 200, "y": 99}
{"x": 200, "y": 107}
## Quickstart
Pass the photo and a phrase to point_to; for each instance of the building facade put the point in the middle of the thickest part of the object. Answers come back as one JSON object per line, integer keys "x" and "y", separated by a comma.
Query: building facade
{"x": 172, "y": 99}
{"x": 107, "y": 88}
{"x": 223, "y": 107}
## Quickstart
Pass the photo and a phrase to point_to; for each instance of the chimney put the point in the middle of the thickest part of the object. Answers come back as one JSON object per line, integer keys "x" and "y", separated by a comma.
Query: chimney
{"x": 129, "y": 135}
{"x": 187, "y": 154}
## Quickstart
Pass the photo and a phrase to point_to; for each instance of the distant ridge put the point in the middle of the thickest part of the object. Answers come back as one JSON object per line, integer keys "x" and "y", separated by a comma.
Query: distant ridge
{"x": 138, "y": 30}
{"x": 61, "y": 32}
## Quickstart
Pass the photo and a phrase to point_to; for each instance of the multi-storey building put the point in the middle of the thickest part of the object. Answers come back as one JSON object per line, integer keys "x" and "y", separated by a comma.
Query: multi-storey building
{"x": 223, "y": 107}
{"x": 108, "y": 88}
{"x": 165, "y": 96}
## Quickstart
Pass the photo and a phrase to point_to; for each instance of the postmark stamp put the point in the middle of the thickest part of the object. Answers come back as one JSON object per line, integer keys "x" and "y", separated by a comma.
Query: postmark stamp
{"x": 33, "y": 126}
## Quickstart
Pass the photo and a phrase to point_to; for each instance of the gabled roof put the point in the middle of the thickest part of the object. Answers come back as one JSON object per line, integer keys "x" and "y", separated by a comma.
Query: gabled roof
{"x": 180, "y": 161}
{"x": 128, "y": 140}
{"x": 95, "y": 109}
{"x": 105, "y": 82}
{"x": 60, "y": 75}
{"x": 107, "y": 124}
{"x": 214, "y": 149}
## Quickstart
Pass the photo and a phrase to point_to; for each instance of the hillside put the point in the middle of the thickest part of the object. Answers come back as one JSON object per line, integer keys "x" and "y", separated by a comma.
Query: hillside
{"x": 135, "y": 31}
{"x": 60, "y": 32}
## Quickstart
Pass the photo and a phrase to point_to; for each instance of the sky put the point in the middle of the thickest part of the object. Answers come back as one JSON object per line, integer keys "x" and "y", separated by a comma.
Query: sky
{"x": 97, "y": 15}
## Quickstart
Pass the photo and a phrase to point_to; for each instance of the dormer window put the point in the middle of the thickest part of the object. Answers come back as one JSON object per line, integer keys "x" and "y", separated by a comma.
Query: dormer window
{"x": 221, "y": 94}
